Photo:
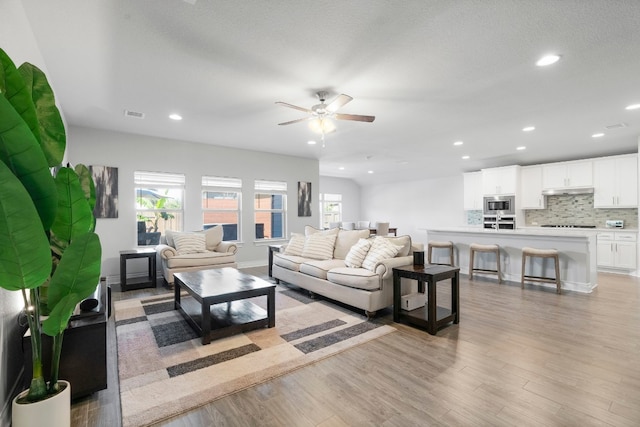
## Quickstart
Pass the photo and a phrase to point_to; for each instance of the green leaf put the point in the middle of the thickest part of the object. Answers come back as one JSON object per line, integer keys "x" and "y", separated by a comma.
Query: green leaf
{"x": 76, "y": 277}
{"x": 59, "y": 317}
{"x": 25, "y": 259}
{"x": 74, "y": 216}
{"x": 13, "y": 87}
{"x": 20, "y": 151}
{"x": 53, "y": 138}
{"x": 88, "y": 186}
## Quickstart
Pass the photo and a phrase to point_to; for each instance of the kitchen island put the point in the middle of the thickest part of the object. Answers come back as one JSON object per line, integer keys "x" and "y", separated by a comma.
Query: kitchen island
{"x": 577, "y": 249}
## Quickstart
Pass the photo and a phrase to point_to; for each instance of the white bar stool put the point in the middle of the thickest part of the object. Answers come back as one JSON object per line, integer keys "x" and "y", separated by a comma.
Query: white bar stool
{"x": 440, "y": 245}
{"x": 541, "y": 253}
{"x": 475, "y": 247}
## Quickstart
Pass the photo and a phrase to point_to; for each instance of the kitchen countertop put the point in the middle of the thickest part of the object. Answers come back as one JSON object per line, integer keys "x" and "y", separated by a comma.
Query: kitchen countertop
{"x": 537, "y": 231}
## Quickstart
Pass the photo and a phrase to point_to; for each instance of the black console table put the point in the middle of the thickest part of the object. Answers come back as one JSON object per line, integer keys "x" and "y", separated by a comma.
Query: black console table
{"x": 430, "y": 317}
{"x": 138, "y": 282}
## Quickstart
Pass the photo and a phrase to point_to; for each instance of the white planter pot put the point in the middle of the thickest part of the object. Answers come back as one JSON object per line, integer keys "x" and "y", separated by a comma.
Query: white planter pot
{"x": 54, "y": 411}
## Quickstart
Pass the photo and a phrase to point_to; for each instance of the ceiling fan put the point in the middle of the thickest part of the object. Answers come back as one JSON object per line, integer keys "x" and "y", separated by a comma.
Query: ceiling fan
{"x": 320, "y": 114}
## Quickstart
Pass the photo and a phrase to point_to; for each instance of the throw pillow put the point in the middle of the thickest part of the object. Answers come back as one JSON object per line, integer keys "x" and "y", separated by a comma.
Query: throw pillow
{"x": 357, "y": 253}
{"x": 319, "y": 246}
{"x": 381, "y": 248}
{"x": 213, "y": 237}
{"x": 189, "y": 243}
{"x": 309, "y": 230}
{"x": 168, "y": 234}
{"x": 295, "y": 245}
{"x": 345, "y": 241}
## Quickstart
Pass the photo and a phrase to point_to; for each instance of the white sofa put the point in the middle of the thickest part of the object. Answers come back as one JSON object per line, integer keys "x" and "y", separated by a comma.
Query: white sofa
{"x": 199, "y": 250}
{"x": 370, "y": 289}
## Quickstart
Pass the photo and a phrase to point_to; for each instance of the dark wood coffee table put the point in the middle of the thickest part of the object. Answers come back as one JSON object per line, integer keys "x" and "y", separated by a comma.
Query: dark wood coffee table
{"x": 218, "y": 307}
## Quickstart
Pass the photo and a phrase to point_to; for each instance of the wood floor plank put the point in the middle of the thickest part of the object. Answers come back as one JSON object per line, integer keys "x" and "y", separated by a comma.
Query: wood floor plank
{"x": 518, "y": 357}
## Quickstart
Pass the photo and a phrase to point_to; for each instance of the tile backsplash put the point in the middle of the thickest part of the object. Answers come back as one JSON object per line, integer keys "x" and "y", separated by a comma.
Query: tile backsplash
{"x": 578, "y": 210}
{"x": 474, "y": 217}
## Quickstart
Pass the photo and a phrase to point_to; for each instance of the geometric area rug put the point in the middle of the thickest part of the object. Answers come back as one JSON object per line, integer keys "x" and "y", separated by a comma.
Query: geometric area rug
{"x": 165, "y": 370}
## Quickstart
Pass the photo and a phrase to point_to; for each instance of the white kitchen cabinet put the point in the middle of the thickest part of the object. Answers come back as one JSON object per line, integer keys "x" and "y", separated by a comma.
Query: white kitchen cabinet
{"x": 472, "y": 191}
{"x": 567, "y": 174}
{"x": 615, "y": 182}
{"x": 504, "y": 180}
{"x": 617, "y": 249}
{"x": 531, "y": 188}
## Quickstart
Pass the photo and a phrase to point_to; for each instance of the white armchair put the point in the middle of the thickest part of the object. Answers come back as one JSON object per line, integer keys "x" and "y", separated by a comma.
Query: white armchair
{"x": 199, "y": 250}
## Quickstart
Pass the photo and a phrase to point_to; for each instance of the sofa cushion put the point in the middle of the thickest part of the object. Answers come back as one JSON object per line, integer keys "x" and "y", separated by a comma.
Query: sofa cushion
{"x": 404, "y": 242}
{"x": 319, "y": 268}
{"x": 346, "y": 239}
{"x": 319, "y": 246}
{"x": 189, "y": 243}
{"x": 290, "y": 262}
{"x": 357, "y": 253}
{"x": 309, "y": 230}
{"x": 202, "y": 259}
{"x": 358, "y": 278}
{"x": 213, "y": 237}
{"x": 381, "y": 248}
{"x": 295, "y": 245}
{"x": 168, "y": 235}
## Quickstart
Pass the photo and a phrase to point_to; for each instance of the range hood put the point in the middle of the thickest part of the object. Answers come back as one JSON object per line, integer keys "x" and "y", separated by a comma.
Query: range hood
{"x": 562, "y": 191}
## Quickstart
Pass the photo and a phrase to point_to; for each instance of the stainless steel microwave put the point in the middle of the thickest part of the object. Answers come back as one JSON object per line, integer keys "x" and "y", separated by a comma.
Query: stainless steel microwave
{"x": 499, "y": 205}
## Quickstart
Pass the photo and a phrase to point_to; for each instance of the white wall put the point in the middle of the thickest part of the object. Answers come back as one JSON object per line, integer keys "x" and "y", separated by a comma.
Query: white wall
{"x": 350, "y": 191}
{"x": 130, "y": 152}
{"x": 415, "y": 205}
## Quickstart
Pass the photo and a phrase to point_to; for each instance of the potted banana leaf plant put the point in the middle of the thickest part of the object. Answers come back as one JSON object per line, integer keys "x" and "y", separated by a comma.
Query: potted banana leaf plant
{"x": 49, "y": 251}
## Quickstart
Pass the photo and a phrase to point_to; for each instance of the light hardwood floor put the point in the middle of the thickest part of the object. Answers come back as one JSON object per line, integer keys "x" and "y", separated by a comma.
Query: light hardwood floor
{"x": 518, "y": 357}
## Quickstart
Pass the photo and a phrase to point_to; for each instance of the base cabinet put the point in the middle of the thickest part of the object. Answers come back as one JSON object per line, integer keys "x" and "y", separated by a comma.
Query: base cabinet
{"x": 617, "y": 250}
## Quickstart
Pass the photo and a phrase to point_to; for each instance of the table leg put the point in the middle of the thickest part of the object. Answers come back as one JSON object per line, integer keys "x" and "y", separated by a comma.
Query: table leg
{"x": 396, "y": 296}
{"x": 271, "y": 307}
{"x": 176, "y": 294}
{"x": 432, "y": 309}
{"x": 123, "y": 273}
{"x": 455, "y": 297}
{"x": 206, "y": 322}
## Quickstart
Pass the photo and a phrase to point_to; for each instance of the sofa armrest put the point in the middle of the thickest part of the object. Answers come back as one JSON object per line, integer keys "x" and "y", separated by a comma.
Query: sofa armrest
{"x": 166, "y": 251}
{"x": 385, "y": 267}
{"x": 417, "y": 247}
{"x": 227, "y": 247}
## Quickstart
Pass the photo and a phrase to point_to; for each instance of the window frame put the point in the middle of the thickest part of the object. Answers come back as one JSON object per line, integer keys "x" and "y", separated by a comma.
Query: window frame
{"x": 323, "y": 202}
{"x": 218, "y": 184}
{"x": 270, "y": 188}
{"x": 159, "y": 182}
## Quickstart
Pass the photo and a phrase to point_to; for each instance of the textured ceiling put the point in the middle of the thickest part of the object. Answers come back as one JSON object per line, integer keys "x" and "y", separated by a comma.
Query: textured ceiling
{"x": 432, "y": 72}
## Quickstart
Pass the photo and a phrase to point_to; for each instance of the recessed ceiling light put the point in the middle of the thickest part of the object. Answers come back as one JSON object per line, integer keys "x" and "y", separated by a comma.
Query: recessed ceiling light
{"x": 465, "y": 157}
{"x": 175, "y": 117}
{"x": 369, "y": 171}
{"x": 522, "y": 147}
{"x": 528, "y": 128}
{"x": 548, "y": 60}
{"x": 458, "y": 143}
{"x": 311, "y": 142}
{"x": 597, "y": 135}
{"x": 341, "y": 168}
{"x": 632, "y": 107}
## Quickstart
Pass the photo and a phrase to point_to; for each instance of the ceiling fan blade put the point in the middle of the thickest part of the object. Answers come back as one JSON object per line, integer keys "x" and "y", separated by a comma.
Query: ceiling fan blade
{"x": 293, "y": 121}
{"x": 340, "y": 100}
{"x": 295, "y": 107}
{"x": 355, "y": 117}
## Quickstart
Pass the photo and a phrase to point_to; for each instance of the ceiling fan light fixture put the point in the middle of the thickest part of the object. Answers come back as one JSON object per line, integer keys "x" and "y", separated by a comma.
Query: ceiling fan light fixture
{"x": 322, "y": 125}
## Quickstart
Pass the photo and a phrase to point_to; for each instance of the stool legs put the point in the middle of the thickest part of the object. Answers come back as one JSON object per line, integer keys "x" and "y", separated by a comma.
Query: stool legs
{"x": 556, "y": 263}
{"x": 471, "y": 264}
{"x": 478, "y": 248}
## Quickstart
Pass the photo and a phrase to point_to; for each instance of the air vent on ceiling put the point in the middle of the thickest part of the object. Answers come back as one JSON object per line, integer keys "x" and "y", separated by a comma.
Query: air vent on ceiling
{"x": 134, "y": 114}
{"x": 617, "y": 126}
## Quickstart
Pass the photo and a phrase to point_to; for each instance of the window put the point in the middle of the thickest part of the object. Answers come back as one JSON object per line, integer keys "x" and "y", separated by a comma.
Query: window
{"x": 331, "y": 209}
{"x": 270, "y": 207}
{"x": 158, "y": 205}
{"x": 221, "y": 204}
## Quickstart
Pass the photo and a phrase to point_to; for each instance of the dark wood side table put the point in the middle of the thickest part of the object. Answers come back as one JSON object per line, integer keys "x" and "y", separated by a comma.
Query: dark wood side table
{"x": 272, "y": 249}
{"x": 138, "y": 282}
{"x": 430, "y": 317}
